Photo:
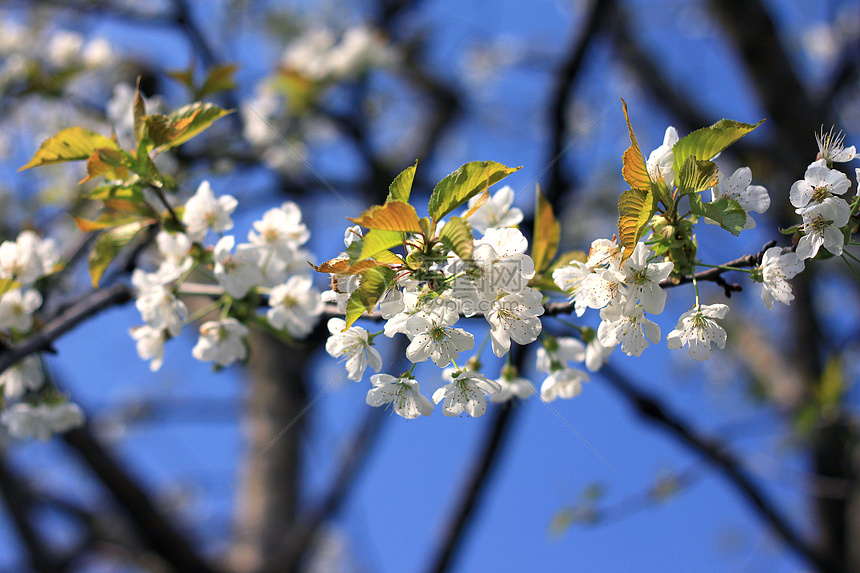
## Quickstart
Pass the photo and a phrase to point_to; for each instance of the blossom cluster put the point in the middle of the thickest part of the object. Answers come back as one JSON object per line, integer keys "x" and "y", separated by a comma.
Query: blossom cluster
{"x": 272, "y": 263}
{"x": 31, "y": 408}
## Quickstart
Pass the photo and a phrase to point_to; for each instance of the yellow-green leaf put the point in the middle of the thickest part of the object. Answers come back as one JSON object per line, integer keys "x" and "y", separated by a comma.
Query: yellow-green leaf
{"x": 727, "y": 212}
{"x": 343, "y": 266}
{"x": 697, "y": 175}
{"x": 196, "y": 117}
{"x": 71, "y": 144}
{"x": 547, "y": 233}
{"x": 220, "y": 79}
{"x": 138, "y": 113}
{"x": 705, "y": 143}
{"x": 109, "y": 244}
{"x": 634, "y": 169}
{"x": 393, "y": 216}
{"x": 112, "y": 164}
{"x": 372, "y": 286}
{"x": 635, "y": 209}
{"x": 377, "y": 240}
{"x": 464, "y": 183}
{"x": 457, "y": 236}
{"x": 401, "y": 187}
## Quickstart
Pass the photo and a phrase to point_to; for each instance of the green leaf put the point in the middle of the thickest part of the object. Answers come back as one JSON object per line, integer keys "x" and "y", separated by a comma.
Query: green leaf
{"x": 697, "y": 175}
{"x": 112, "y": 164}
{"x": 372, "y": 286}
{"x": 705, "y": 143}
{"x": 71, "y": 144}
{"x": 634, "y": 169}
{"x": 393, "y": 216}
{"x": 109, "y": 244}
{"x": 456, "y": 236}
{"x": 547, "y": 233}
{"x": 635, "y": 209}
{"x": 199, "y": 116}
{"x": 220, "y": 79}
{"x": 377, "y": 240}
{"x": 464, "y": 183}
{"x": 138, "y": 113}
{"x": 401, "y": 187}
{"x": 344, "y": 266}
{"x": 727, "y": 212}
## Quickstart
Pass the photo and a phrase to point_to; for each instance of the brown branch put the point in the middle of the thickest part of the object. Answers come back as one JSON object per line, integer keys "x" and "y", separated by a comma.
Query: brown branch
{"x": 18, "y": 501}
{"x": 299, "y": 538}
{"x": 566, "y": 77}
{"x": 65, "y": 321}
{"x": 717, "y": 454}
{"x": 153, "y": 528}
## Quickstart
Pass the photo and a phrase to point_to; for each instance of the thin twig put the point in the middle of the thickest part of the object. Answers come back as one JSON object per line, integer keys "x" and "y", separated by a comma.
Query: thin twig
{"x": 718, "y": 455}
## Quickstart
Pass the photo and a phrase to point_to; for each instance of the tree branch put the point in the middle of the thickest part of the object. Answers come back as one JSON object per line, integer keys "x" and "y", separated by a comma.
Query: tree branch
{"x": 18, "y": 502}
{"x": 155, "y": 529}
{"x": 716, "y": 453}
{"x": 298, "y": 540}
{"x": 65, "y": 321}
{"x": 565, "y": 81}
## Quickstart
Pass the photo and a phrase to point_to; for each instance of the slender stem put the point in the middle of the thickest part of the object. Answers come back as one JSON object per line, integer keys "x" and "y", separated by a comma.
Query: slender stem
{"x": 723, "y": 267}
{"x": 205, "y": 310}
{"x": 847, "y": 262}
{"x": 170, "y": 210}
{"x": 850, "y": 255}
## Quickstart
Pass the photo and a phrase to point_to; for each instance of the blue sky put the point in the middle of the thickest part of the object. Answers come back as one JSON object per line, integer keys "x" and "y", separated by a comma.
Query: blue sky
{"x": 393, "y": 521}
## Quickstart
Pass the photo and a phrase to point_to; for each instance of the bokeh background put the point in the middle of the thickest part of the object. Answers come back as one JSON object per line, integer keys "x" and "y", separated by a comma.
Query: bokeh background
{"x": 280, "y": 465}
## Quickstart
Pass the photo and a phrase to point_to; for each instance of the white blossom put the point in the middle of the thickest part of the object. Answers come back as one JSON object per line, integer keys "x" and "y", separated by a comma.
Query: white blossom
{"x": 204, "y": 212}
{"x": 403, "y": 393}
{"x": 28, "y": 258}
{"x": 280, "y": 229}
{"x": 631, "y": 329}
{"x": 176, "y": 250}
{"x": 237, "y": 272}
{"x": 150, "y": 344}
{"x": 775, "y": 268}
{"x": 157, "y": 304}
{"x": 515, "y": 317}
{"x": 221, "y": 341}
{"x": 749, "y": 197}
{"x": 17, "y": 308}
{"x": 697, "y": 328}
{"x": 643, "y": 280}
{"x": 43, "y": 421}
{"x": 555, "y": 353}
{"x": 466, "y": 393}
{"x": 822, "y": 223}
{"x": 831, "y": 148}
{"x": 818, "y": 184}
{"x": 596, "y": 354}
{"x": 295, "y": 306}
{"x": 26, "y": 374}
{"x": 512, "y": 386}
{"x": 352, "y": 344}
{"x": 563, "y": 383}
{"x": 662, "y": 159}
{"x": 432, "y": 336}
{"x": 496, "y": 212}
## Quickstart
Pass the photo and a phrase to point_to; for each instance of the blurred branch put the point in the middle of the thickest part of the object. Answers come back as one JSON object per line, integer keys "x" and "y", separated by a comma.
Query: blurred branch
{"x": 298, "y": 540}
{"x": 90, "y": 305}
{"x": 716, "y": 453}
{"x": 474, "y": 487}
{"x": 568, "y": 72}
{"x": 642, "y": 66}
{"x": 154, "y": 528}
{"x": 18, "y": 501}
